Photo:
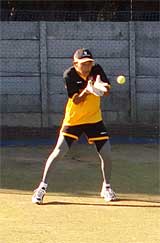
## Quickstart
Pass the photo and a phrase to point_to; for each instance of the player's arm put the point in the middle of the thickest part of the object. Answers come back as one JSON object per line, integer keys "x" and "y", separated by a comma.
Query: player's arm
{"x": 77, "y": 98}
{"x": 73, "y": 91}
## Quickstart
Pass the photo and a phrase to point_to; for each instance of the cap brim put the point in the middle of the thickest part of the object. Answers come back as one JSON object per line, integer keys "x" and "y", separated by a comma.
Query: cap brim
{"x": 85, "y": 59}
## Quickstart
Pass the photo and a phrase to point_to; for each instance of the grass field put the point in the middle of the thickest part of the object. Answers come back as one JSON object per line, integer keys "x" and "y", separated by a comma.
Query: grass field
{"x": 72, "y": 211}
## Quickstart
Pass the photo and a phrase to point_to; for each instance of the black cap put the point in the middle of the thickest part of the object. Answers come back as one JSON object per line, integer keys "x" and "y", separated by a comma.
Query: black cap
{"x": 83, "y": 55}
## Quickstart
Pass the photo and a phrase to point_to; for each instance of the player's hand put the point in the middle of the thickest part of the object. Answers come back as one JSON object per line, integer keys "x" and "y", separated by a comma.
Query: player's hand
{"x": 93, "y": 90}
{"x": 100, "y": 85}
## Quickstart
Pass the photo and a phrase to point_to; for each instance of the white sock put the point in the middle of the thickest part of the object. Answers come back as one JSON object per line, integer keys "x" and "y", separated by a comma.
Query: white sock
{"x": 43, "y": 185}
{"x": 106, "y": 184}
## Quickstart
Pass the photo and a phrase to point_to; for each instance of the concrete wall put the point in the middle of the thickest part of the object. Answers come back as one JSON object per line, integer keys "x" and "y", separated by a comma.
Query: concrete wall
{"x": 33, "y": 56}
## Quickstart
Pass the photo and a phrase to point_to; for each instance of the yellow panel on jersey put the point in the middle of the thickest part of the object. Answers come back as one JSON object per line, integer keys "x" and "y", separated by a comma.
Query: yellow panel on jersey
{"x": 87, "y": 111}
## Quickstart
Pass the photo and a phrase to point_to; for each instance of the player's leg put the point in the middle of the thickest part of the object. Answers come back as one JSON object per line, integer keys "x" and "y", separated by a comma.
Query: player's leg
{"x": 67, "y": 136}
{"x": 98, "y": 135}
{"x": 103, "y": 148}
{"x": 63, "y": 145}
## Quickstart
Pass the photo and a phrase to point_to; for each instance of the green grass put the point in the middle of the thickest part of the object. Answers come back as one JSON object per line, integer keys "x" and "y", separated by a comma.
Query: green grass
{"x": 73, "y": 212}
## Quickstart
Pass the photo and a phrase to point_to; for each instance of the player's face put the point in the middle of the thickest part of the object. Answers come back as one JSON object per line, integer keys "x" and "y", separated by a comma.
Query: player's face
{"x": 84, "y": 68}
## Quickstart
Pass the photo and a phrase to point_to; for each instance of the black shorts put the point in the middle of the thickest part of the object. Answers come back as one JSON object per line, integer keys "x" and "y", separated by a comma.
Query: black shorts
{"x": 93, "y": 131}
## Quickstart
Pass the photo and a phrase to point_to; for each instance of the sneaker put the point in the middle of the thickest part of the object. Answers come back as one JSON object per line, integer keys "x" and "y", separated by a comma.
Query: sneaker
{"x": 108, "y": 194}
{"x": 39, "y": 193}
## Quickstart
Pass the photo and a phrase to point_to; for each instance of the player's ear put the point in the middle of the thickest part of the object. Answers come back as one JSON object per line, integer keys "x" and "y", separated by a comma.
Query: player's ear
{"x": 74, "y": 63}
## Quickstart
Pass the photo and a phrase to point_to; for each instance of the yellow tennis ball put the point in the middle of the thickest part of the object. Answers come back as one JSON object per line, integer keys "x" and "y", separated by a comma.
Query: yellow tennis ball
{"x": 121, "y": 79}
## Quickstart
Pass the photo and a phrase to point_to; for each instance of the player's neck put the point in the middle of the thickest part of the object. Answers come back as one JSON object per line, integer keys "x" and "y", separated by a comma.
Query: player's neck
{"x": 82, "y": 75}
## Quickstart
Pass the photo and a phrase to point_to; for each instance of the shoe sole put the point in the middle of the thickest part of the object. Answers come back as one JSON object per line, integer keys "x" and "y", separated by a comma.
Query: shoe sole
{"x": 108, "y": 200}
{"x": 36, "y": 201}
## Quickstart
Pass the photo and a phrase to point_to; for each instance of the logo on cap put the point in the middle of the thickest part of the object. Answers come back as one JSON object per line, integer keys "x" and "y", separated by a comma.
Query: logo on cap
{"x": 83, "y": 53}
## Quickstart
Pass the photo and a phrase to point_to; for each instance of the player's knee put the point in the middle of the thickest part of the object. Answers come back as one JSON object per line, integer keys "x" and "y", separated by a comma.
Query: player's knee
{"x": 100, "y": 144}
{"x": 60, "y": 151}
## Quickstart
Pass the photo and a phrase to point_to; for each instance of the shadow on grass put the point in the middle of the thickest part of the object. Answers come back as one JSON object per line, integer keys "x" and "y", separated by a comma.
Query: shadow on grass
{"x": 117, "y": 203}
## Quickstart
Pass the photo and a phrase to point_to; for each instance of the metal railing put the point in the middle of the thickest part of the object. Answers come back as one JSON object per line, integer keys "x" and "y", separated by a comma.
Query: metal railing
{"x": 88, "y": 15}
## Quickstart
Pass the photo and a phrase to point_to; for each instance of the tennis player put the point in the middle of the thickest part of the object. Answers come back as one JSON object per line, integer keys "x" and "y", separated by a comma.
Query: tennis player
{"x": 86, "y": 82}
